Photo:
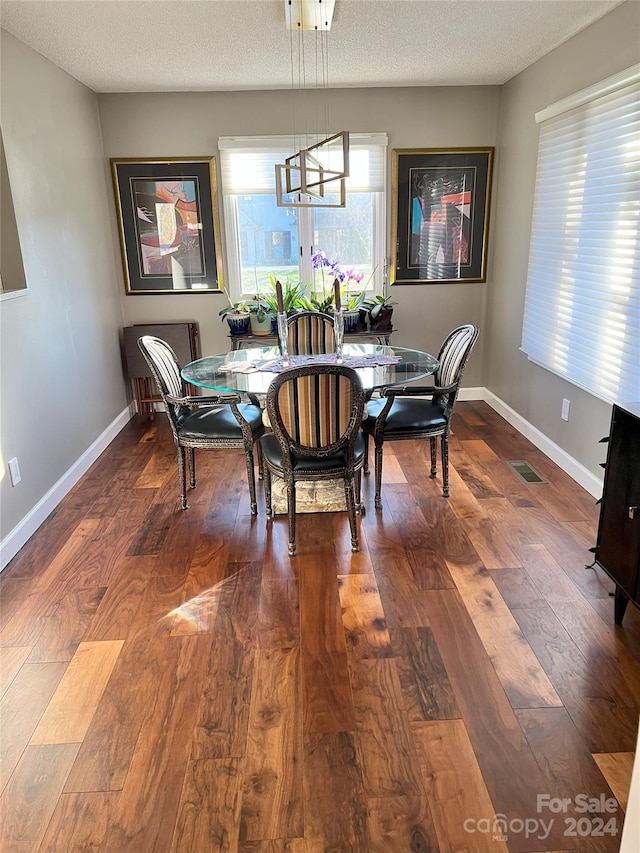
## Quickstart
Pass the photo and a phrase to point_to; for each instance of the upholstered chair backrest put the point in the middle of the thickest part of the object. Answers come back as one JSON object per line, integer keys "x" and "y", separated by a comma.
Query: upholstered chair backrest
{"x": 164, "y": 366}
{"x": 310, "y": 333}
{"x": 316, "y": 408}
{"x": 454, "y": 354}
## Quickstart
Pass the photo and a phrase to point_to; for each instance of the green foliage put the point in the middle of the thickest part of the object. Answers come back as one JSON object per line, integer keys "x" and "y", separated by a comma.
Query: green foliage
{"x": 241, "y": 307}
{"x": 353, "y": 301}
{"x": 261, "y": 306}
{"x": 322, "y": 301}
{"x": 292, "y": 296}
{"x": 375, "y": 304}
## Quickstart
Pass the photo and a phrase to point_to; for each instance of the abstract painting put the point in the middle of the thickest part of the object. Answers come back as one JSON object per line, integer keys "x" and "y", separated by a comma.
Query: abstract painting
{"x": 169, "y": 227}
{"x": 440, "y": 215}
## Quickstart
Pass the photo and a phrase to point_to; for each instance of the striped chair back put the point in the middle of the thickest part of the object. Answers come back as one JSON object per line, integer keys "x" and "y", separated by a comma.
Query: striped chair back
{"x": 310, "y": 333}
{"x": 454, "y": 354}
{"x": 316, "y": 407}
{"x": 164, "y": 366}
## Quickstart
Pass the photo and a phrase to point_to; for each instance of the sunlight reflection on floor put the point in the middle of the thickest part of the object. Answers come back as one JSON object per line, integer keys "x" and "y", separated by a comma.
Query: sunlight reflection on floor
{"x": 198, "y": 614}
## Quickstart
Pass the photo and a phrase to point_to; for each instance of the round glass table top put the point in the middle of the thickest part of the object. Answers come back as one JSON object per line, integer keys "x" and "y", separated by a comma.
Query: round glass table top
{"x": 247, "y": 370}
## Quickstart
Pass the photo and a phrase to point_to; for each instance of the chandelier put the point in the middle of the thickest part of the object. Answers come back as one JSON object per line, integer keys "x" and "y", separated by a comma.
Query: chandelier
{"x": 309, "y": 177}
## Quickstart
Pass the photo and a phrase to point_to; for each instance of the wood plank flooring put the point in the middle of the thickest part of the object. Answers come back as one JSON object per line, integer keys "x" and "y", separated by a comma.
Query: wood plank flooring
{"x": 173, "y": 682}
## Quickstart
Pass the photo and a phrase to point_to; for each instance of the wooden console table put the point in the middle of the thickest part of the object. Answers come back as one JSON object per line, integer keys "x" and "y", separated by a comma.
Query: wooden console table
{"x": 244, "y": 341}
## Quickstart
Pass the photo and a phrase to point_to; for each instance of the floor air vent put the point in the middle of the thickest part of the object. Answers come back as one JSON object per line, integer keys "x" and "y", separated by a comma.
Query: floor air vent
{"x": 526, "y": 473}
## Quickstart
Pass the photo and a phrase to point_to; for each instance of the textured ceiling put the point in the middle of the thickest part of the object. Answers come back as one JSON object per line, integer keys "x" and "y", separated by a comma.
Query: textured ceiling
{"x": 221, "y": 45}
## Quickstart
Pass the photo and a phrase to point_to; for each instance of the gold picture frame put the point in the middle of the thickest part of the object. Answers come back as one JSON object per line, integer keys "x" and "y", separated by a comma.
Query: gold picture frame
{"x": 440, "y": 215}
{"x": 168, "y": 224}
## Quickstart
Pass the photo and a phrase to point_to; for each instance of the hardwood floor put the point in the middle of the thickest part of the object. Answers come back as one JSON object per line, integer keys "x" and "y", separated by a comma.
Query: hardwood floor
{"x": 173, "y": 681}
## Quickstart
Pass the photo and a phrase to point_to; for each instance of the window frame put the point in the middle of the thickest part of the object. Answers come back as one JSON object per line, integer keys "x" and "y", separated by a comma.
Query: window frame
{"x": 305, "y": 217}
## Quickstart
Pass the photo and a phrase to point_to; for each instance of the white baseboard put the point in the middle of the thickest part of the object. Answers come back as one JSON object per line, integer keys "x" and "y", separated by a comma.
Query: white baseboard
{"x": 23, "y": 531}
{"x": 569, "y": 465}
{"x": 472, "y": 393}
{"x": 589, "y": 481}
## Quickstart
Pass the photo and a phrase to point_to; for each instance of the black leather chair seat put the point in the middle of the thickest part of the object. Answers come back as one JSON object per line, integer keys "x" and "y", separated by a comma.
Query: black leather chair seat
{"x": 412, "y": 416}
{"x": 196, "y": 423}
{"x": 407, "y": 413}
{"x": 272, "y": 453}
{"x": 218, "y": 423}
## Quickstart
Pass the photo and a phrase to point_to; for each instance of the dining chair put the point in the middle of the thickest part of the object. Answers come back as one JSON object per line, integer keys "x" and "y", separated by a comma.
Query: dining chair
{"x": 399, "y": 413}
{"x": 315, "y": 413}
{"x": 207, "y": 423}
{"x": 310, "y": 333}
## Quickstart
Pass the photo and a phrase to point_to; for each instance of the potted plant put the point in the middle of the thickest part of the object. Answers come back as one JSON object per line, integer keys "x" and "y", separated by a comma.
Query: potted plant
{"x": 378, "y": 311}
{"x": 351, "y": 304}
{"x": 237, "y": 316}
{"x": 292, "y": 299}
{"x": 261, "y": 314}
{"x": 322, "y": 301}
{"x": 292, "y": 296}
{"x": 358, "y": 309}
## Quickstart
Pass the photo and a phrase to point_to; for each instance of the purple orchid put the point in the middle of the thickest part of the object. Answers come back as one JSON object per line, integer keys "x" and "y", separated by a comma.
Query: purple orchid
{"x": 320, "y": 261}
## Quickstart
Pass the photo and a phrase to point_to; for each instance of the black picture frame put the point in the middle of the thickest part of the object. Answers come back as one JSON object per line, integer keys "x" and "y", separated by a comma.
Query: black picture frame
{"x": 440, "y": 215}
{"x": 168, "y": 224}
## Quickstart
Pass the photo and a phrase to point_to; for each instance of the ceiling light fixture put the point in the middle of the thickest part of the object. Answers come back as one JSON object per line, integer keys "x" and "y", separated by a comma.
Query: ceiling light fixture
{"x": 305, "y": 178}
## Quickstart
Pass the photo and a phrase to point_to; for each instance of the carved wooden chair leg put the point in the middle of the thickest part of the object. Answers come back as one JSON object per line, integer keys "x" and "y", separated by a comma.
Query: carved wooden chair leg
{"x": 192, "y": 467}
{"x": 378, "y": 499}
{"x": 260, "y": 461}
{"x": 182, "y": 476}
{"x": 252, "y": 481}
{"x": 434, "y": 456}
{"x": 351, "y": 510}
{"x": 445, "y": 464}
{"x": 365, "y": 466}
{"x": 291, "y": 506}
{"x": 267, "y": 493}
{"x": 360, "y": 507}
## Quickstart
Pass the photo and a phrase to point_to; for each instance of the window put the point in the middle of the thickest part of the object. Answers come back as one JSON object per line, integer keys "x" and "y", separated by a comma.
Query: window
{"x": 582, "y": 308}
{"x": 264, "y": 239}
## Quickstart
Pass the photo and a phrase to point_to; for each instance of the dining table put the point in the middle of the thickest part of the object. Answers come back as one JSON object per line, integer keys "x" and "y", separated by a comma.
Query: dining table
{"x": 252, "y": 370}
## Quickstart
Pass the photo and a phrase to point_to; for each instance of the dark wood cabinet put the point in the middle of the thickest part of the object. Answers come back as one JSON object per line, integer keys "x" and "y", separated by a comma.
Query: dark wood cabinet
{"x": 618, "y": 543}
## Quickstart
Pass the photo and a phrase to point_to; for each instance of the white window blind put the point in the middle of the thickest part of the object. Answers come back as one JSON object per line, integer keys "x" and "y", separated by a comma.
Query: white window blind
{"x": 582, "y": 306}
{"x": 248, "y": 163}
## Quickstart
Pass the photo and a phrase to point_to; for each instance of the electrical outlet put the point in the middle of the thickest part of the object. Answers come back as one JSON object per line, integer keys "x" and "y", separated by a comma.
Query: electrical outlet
{"x": 14, "y": 471}
{"x": 565, "y": 410}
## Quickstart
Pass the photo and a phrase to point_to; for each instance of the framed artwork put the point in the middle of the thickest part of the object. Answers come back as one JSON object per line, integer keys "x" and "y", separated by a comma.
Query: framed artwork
{"x": 169, "y": 226}
{"x": 440, "y": 214}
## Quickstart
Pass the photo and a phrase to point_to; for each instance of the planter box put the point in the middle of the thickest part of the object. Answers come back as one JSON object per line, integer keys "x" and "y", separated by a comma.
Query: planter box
{"x": 260, "y": 327}
{"x": 351, "y": 320}
{"x": 239, "y": 324}
{"x": 382, "y": 322}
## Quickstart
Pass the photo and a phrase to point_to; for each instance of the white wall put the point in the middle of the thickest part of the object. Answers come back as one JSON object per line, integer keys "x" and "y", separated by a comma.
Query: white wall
{"x": 172, "y": 125}
{"x": 61, "y": 375}
{"x": 607, "y": 46}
